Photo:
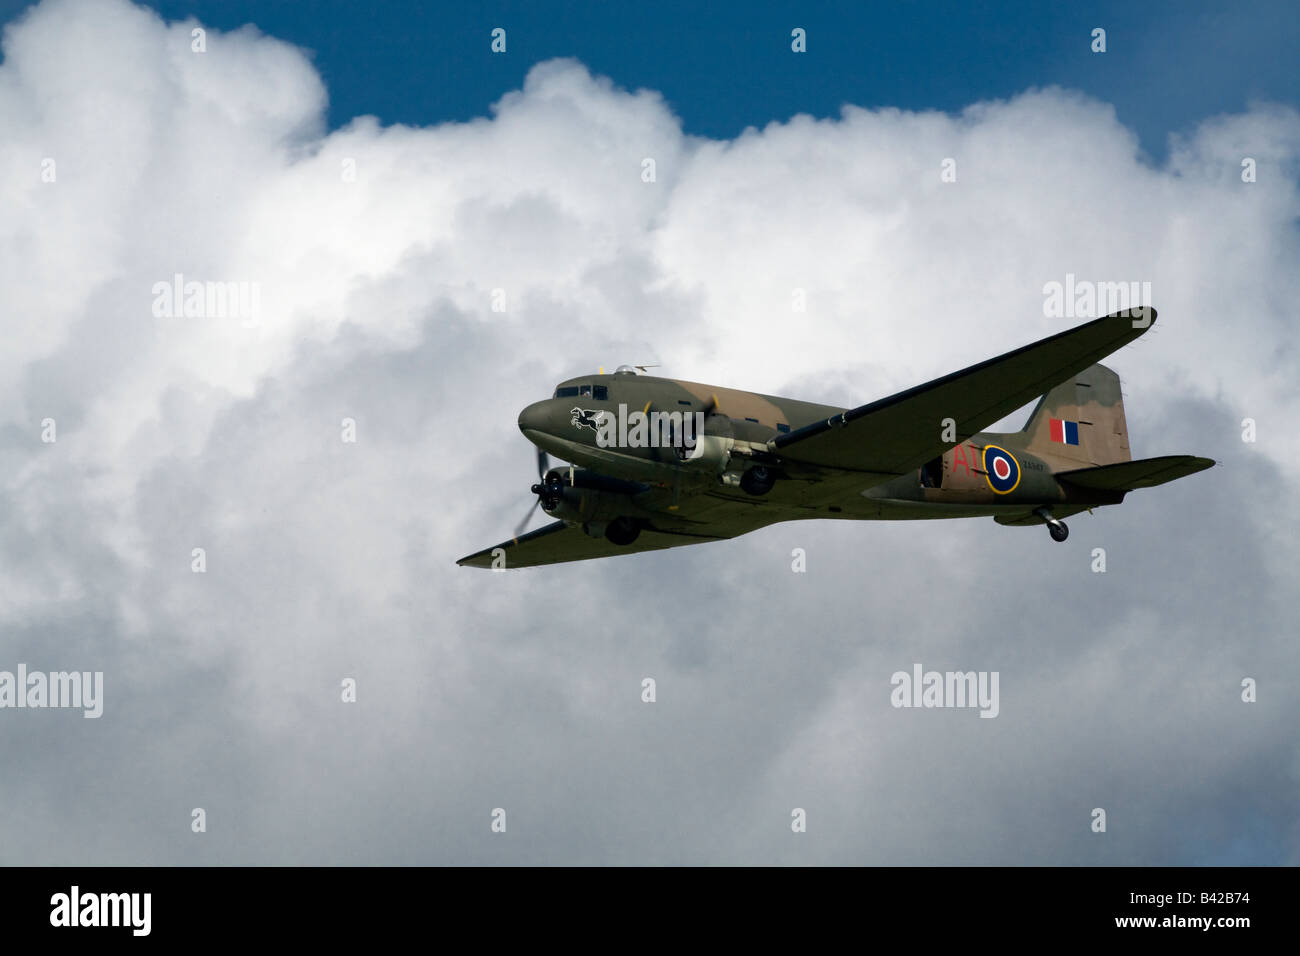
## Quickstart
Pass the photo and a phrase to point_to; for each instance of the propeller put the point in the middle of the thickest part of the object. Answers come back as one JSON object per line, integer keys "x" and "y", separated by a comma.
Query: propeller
{"x": 528, "y": 516}
{"x": 710, "y": 407}
{"x": 680, "y": 453}
{"x": 540, "y": 490}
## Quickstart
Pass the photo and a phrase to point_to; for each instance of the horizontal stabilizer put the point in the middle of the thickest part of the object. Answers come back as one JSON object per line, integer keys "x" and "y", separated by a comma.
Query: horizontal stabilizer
{"x": 1128, "y": 475}
{"x": 1025, "y": 518}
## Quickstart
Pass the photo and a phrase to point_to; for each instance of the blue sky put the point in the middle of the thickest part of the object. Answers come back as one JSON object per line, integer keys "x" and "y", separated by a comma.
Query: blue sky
{"x": 1168, "y": 65}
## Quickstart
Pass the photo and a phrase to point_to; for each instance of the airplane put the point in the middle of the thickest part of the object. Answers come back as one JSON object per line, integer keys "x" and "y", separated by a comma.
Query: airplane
{"x": 659, "y": 463}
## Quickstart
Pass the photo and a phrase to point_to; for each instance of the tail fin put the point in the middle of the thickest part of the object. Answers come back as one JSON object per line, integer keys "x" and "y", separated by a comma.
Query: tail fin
{"x": 1082, "y": 420}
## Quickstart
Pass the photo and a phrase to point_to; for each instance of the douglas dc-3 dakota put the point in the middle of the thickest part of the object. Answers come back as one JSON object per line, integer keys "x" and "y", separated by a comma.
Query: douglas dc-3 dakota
{"x": 658, "y": 463}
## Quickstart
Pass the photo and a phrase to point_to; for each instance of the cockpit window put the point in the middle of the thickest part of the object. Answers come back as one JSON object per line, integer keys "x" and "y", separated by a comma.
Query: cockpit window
{"x": 585, "y": 391}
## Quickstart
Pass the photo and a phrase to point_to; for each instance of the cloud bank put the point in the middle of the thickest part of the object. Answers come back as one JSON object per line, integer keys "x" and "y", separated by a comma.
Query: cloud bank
{"x": 378, "y": 252}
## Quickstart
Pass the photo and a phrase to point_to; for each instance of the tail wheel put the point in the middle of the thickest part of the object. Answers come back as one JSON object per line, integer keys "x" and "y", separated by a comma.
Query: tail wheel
{"x": 622, "y": 531}
{"x": 1055, "y": 526}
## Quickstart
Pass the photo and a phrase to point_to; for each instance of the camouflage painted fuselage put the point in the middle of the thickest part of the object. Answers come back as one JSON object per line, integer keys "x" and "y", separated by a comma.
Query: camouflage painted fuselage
{"x": 739, "y": 426}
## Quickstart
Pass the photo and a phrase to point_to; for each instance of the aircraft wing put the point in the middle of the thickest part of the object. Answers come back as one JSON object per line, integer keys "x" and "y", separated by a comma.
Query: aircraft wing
{"x": 557, "y": 543}
{"x": 892, "y": 436}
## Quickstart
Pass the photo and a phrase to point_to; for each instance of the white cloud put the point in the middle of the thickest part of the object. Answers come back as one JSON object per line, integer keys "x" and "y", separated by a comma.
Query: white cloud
{"x": 329, "y": 560}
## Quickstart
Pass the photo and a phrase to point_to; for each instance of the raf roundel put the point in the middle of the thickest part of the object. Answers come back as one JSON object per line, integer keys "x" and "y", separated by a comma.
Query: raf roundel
{"x": 1001, "y": 469}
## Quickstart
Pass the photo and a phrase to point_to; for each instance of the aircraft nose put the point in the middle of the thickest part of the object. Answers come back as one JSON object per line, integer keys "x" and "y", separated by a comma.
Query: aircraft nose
{"x": 533, "y": 418}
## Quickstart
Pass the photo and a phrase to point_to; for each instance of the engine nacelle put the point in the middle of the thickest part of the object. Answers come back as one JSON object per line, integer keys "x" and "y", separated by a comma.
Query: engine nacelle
{"x": 711, "y": 454}
{"x": 584, "y": 497}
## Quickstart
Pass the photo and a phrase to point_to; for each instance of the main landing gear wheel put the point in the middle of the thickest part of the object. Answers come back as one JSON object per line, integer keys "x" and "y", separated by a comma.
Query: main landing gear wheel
{"x": 757, "y": 480}
{"x": 622, "y": 531}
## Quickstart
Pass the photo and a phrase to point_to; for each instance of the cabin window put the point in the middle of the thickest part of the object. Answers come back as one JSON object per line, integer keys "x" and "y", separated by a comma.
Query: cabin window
{"x": 782, "y": 427}
{"x": 600, "y": 393}
{"x": 584, "y": 391}
{"x": 754, "y": 420}
{"x": 568, "y": 391}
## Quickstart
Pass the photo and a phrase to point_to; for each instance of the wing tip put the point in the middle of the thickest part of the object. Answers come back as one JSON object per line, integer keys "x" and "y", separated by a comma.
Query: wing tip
{"x": 1142, "y": 316}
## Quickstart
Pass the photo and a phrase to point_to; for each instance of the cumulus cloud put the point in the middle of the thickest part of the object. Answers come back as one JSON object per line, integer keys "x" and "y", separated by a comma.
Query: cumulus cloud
{"x": 377, "y": 252}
